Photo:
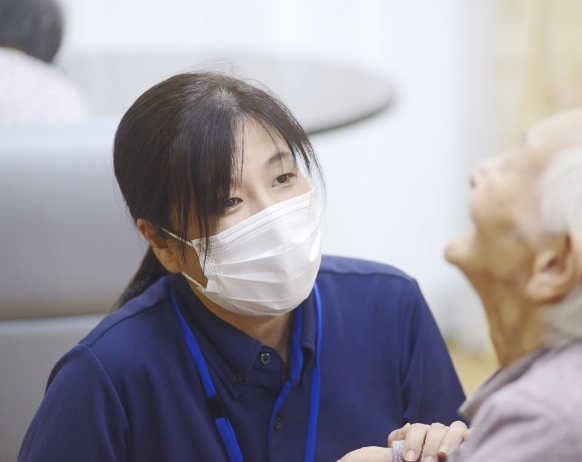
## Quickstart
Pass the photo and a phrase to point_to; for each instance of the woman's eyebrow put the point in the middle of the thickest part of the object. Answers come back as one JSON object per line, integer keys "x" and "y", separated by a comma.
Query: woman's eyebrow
{"x": 279, "y": 156}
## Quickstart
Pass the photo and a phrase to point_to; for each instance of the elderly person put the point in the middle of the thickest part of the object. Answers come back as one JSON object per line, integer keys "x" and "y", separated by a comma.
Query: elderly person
{"x": 524, "y": 258}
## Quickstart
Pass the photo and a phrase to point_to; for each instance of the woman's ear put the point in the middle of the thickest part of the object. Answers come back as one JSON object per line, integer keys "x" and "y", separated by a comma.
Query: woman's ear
{"x": 165, "y": 249}
{"x": 557, "y": 269}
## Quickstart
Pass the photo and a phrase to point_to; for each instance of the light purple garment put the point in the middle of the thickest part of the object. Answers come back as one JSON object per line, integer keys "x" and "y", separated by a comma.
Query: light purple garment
{"x": 530, "y": 411}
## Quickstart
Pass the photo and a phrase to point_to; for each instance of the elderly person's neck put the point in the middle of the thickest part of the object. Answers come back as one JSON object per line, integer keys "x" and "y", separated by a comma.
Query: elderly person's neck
{"x": 520, "y": 270}
{"x": 515, "y": 326}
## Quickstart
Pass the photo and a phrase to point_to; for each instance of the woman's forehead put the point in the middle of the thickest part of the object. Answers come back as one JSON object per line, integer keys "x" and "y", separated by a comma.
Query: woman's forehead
{"x": 254, "y": 133}
{"x": 257, "y": 143}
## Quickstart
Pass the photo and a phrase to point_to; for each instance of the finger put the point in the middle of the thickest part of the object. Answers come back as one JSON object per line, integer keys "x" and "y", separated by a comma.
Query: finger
{"x": 432, "y": 443}
{"x": 467, "y": 434}
{"x": 453, "y": 438}
{"x": 398, "y": 435}
{"x": 368, "y": 454}
{"x": 414, "y": 441}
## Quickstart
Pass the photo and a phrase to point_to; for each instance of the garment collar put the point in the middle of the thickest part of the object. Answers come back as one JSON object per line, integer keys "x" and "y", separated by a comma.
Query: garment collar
{"x": 498, "y": 380}
{"x": 230, "y": 352}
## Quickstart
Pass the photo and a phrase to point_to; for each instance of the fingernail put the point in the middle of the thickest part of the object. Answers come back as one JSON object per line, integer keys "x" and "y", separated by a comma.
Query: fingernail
{"x": 444, "y": 449}
{"x": 429, "y": 459}
{"x": 410, "y": 456}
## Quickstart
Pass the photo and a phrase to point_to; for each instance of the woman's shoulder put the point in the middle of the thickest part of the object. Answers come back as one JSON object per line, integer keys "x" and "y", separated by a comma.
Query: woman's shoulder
{"x": 140, "y": 339}
{"x": 344, "y": 266}
{"x": 359, "y": 286}
{"x": 376, "y": 280}
{"x": 146, "y": 319}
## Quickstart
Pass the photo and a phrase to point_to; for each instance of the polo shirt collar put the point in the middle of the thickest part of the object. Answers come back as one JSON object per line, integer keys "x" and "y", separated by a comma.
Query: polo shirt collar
{"x": 229, "y": 352}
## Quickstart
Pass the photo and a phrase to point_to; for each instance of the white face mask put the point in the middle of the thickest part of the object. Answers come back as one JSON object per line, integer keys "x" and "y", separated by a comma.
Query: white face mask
{"x": 266, "y": 264}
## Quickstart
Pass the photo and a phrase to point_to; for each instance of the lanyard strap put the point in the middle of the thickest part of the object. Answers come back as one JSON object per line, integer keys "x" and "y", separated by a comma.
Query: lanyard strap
{"x": 222, "y": 423}
{"x": 315, "y": 381}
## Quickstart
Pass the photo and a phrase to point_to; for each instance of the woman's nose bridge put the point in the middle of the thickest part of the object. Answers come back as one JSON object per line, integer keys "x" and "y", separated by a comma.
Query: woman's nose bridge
{"x": 262, "y": 200}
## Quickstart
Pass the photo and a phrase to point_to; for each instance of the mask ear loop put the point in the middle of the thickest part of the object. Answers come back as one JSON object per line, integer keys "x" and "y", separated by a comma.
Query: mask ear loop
{"x": 194, "y": 281}
{"x": 200, "y": 287}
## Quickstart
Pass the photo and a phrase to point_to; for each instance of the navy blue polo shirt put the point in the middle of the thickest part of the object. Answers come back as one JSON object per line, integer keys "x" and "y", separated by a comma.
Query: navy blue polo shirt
{"x": 130, "y": 390}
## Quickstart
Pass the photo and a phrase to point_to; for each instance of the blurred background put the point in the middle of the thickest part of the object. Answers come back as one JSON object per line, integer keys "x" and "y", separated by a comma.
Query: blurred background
{"x": 402, "y": 100}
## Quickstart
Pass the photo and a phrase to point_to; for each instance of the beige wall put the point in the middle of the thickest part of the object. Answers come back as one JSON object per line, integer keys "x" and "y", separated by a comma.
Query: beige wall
{"x": 537, "y": 61}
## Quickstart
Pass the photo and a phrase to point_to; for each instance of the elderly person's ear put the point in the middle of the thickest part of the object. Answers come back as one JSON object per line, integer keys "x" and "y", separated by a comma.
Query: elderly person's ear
{"x": 557, "y": 269}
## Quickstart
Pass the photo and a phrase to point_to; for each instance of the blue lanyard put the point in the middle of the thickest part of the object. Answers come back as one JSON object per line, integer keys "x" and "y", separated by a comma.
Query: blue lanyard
{"x": 222, "y": 423}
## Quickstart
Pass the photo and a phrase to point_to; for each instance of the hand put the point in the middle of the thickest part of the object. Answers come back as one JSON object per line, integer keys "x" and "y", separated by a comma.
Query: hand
{"x": 438, "y": 439}
{"x": 368, "y": 454}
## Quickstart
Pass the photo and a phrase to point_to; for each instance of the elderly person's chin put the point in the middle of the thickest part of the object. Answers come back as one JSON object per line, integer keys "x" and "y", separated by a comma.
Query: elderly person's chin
{"x": 458, "y": 250}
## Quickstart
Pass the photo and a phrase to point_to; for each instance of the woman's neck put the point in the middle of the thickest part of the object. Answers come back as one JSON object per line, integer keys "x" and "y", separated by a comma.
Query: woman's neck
{"x": 273, "y": 331}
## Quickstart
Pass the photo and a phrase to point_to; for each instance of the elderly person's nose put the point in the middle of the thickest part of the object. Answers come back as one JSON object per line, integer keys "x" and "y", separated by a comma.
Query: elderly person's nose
{"x": 479, "y": 173}
{"x": 486, "y": 167}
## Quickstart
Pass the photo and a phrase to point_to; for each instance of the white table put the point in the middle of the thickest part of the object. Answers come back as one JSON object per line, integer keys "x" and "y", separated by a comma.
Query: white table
{"x": 322, "y": 95}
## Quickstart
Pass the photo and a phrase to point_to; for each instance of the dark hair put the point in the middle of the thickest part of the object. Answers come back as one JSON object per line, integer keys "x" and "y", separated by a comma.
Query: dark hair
{"x": 174, "y": 154}
{"x": 32, "y": 26}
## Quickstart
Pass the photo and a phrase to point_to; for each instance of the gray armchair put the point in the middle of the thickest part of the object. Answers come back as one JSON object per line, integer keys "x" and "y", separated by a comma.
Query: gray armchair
{"x": 67, "y": 251}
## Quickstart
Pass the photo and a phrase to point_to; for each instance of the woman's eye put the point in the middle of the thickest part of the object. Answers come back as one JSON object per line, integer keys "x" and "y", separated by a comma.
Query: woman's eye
{"x": 232, "y": 202}
{"x": 285, "y": 178}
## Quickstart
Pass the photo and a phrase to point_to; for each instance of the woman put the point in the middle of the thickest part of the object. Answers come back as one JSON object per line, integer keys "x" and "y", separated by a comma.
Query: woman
{"x": 236, "y": 339}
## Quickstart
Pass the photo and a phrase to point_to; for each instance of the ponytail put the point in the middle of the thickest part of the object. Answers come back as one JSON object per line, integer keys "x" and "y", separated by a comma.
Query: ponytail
{"x": 149, "y": 272}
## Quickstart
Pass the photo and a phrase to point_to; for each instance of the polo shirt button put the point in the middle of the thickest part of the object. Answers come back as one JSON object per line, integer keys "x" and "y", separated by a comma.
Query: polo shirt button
{"x": 265, "y": 358}
{"x": 278, "y": 423}
{"x": 237, "y": 379}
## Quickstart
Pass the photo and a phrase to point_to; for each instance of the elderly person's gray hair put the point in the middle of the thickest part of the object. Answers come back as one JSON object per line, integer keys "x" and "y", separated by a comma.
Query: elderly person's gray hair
{"x": 32, "y": 26}
{"x": 561, "y": 212}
